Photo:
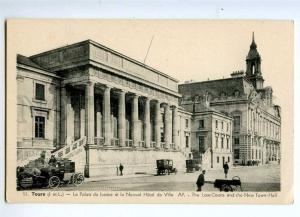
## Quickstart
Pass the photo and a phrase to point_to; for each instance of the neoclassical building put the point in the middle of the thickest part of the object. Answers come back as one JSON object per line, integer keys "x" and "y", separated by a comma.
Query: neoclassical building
{"x": 243, "y": 97}
{"x": 100, "y": 108}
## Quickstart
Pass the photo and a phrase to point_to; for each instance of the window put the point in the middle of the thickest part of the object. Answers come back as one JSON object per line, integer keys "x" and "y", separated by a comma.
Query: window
{"x": 236, "y": 93}
{"x": 222, "y": 124}
{"x": 227, "y": 143}
{"x": 201, "y": 124}
{"x": 259, "y": 154}
{"x": 201, "y": 144}
{"x": 222, "y": 142}
{"x": 39, "y": 91}
{"x": 227, "y": 128}
{"x": 223, "y": 94}
{"x": 217, "y": 141}
{"x": 236, "y": 123}
{"x": 218, "y": 159}
{"x": 236, "y": 153}
{"x": 236, "y": 141}
{"x": 228, "y": 160}
{"x": 187, "y": 141}
{"x": 186, "y": 123}
{"x": 216, "y": 124}
{"x": 39, "y": 127}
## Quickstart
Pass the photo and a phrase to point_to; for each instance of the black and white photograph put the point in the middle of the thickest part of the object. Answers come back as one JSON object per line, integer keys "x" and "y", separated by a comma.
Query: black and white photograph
{"x": 150, "y": 108}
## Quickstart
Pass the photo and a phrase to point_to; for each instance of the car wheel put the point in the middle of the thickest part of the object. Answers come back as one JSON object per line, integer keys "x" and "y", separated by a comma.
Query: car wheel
{"x": 54, "y": 182}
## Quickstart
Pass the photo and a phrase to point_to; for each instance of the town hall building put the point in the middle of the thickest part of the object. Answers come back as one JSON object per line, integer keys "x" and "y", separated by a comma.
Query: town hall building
{"x": 243, "y": 97}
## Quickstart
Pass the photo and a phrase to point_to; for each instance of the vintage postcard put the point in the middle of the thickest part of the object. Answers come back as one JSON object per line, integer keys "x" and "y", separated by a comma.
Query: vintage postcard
{"x": 149, "y": 111}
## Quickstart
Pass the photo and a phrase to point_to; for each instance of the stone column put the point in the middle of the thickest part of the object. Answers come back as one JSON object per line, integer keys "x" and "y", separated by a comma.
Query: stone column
{"x": 82, "y": 117}
{"x": 106, "y": 114}
{"x": 168, "y": 127}
{"x": 157, "y": 124}
{"x": 147, "y": 126}
{"x": 63, "y": 126}
{"x": 121, "y": 118}
{"x": 135, "y": 119}
{"x": 89, "y": 113}
{"x": 98, "y": 119}
{"x": 175, "y": 126}
{"x": 70, "y": 120}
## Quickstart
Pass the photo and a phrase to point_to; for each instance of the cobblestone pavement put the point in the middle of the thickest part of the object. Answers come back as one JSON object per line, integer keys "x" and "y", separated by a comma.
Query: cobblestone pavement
{"x": 261, "y": 178}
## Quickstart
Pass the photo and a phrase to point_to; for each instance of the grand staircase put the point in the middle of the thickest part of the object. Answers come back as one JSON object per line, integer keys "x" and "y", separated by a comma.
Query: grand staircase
{"x": 67, "y": 151}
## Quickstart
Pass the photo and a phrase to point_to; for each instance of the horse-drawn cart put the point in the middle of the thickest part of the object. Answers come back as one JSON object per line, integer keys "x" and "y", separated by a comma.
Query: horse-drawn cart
{"x": 227, "y": 185}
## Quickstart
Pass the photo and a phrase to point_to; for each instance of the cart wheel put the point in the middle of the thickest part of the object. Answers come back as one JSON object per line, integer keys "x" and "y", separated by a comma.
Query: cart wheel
{"x": 226, "y": 188}
{"x": 237, "y": 188}
{"x": 236, "y": 178}
{"x": 78, "y": 179}
{"x": 54, "y": 182}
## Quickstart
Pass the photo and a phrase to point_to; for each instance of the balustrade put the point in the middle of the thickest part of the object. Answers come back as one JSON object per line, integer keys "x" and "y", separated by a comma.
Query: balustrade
{"x": 99, "y": 141}
{"x": 128, "y": 143}
{"x": 115, "y": 142}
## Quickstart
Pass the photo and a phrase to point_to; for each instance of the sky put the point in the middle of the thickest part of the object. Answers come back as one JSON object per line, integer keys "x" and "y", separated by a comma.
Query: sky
{"x": 184, "y": 49}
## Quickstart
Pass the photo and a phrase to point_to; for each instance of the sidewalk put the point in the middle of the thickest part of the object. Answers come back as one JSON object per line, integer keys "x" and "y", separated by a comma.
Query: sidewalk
{"x": 106, "y": 178}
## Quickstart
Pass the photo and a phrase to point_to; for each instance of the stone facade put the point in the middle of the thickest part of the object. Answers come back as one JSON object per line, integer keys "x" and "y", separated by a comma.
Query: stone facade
{"x": 91, "y": 101}
{"x": 256, "y": 120}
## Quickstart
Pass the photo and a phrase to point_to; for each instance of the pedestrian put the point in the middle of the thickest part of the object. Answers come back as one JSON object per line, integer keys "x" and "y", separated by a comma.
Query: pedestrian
{"x": 226, "y": 168}
{"x": 121, "y": 167}
{"x": 52, "y": 161}
{"x": 200, "y": 180}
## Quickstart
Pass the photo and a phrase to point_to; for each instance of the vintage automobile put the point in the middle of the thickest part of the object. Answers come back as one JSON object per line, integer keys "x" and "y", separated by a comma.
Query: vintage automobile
{"x": 165, "y": 166}
{"x": 192, "y": 165}
{"x": 227, "y": 185}
{"x": 52, "y": 176}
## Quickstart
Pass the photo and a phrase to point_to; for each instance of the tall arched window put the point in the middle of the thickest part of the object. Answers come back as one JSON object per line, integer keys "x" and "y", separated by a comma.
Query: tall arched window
{"x": 252, "y": 68}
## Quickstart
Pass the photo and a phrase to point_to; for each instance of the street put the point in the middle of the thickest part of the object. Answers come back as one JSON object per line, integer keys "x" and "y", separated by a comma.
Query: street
{"x": 253, "y": 178}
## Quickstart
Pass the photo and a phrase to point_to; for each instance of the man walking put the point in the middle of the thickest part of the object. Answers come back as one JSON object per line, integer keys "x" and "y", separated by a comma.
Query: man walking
{"x": 226, "y": 168}
{"x": 121, "y": 167}
{"x": 200, "y": 180}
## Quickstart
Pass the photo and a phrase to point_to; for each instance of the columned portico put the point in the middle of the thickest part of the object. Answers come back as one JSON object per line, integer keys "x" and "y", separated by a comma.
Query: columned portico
{"x": 125, "y": 123}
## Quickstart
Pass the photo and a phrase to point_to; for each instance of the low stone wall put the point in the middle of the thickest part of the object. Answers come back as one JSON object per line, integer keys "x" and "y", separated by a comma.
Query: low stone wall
{"x": 27, "y": 154}
{"x": 105, "y": 162}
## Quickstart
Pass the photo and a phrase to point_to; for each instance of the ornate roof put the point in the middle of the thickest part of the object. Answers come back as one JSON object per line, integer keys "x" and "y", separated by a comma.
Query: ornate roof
{"x": 227, "y": 87}
{"x": 253, "y": 53}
